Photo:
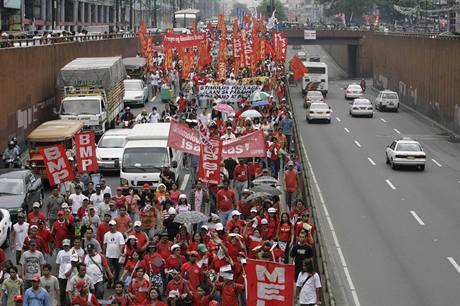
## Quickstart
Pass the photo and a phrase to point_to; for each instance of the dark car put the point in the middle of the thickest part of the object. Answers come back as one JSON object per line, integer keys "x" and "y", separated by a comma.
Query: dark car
{"x": 19, "y": 189}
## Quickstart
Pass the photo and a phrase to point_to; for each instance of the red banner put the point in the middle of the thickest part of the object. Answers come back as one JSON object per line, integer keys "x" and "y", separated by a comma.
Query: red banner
{"x": 210, "y": 158}
{"x": 185, "y": 139}
{"x": 85, "y": 146}
{"x": 171, "y": 40}
{"x": 280, "y": 43}
{"x": 57, "y": 165}
{"x": 298, "y": 68}
{"x": 269, "y": 283}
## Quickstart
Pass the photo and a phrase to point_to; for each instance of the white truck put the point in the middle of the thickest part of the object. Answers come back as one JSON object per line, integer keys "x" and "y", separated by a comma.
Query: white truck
{"x": 145, "y": 154}
{"x": 91, "y": 90}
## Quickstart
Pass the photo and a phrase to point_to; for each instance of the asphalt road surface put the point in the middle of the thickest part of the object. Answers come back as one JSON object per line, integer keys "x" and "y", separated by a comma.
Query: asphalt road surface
{"x": 393, "y": 235}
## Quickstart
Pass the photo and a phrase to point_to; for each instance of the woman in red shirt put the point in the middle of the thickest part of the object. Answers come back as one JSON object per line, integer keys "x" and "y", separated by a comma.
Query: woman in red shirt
{"x": 155, "y": 298}
{"x": 285, "y": 234}
{"x": 175, "y": 260}
{"x": 197, "y": 239}
{"x": 153, "y": 263}
{"x": 297, "y": 211}
{"x": 130, "y": 268}
{"x": 130, "y": 247}
{"x": 174, "y": 194}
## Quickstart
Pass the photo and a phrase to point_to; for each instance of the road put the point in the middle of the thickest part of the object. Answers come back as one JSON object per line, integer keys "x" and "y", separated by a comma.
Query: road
{"x": 395, "y": 234}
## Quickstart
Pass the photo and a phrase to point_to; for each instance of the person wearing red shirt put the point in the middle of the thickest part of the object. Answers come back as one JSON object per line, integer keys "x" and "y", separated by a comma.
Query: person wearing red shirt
{"x": 142, "y": 239}
{"x": 82, "y": 211}
{"x": 46, "y": 236}
{"x": 130, "y": 268}
{"x": 265, "y": 232}
{"x": 193, "y": 271}
{"x": 139, "y": 288}
{"x": 235, "y": 246}
{"x": 103, "y": 228}
{"x": 35, "y": 215}
{"x": 120, "y": 298}
{"x": 235, "y": 221}
{"x": 297, "y": 211}
{"x": 60, "y": 230}
{"x": 164, "y": 245}
{"x": 285, "y": 232}
{"x": 274, "y": 150}
{"x": 176, "y": 283}
{"x": 153, "y": 262}
{"x": 229, "y": 290}
{"x": 199, "y": 296}
{"x": 245, "y": 206}
{"x": 182, "y": 103}
{"x": 226, "y": 202}
{"x": 291, "y": 183}
{"x": 84, "y": 298}
{"x": 154, "y": 297}
{"x": 119, "y": 198}
{"x": 124, "y": 223}
{"x": 241, "y": 176}
{"x": 175, "y": 260}
{"x": 41, "y": 244}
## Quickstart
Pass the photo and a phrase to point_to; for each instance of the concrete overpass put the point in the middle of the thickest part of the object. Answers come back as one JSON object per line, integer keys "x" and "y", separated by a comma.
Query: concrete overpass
{"x": 296, "y": 37}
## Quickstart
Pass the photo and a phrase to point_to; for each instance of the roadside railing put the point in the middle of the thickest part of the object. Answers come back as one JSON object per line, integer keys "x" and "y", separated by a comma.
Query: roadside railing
{"x": 321, "y": 255}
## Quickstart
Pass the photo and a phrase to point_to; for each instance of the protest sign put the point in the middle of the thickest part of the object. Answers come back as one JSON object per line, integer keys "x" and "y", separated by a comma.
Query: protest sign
{"x": 227, "y": 92}
{"x": 57, "y": 165}
{"x": 85, "y": 146}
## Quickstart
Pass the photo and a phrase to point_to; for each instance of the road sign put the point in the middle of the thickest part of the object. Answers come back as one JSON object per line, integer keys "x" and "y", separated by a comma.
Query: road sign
{"x": 309, "y": 34}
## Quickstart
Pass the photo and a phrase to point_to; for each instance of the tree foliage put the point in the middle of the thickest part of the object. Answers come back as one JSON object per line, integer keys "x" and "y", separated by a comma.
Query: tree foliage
{"x": 265, "y": 9}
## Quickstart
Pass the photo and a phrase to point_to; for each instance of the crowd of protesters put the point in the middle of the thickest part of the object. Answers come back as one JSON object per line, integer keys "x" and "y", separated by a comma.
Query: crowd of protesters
{"x": 128, "y": 240}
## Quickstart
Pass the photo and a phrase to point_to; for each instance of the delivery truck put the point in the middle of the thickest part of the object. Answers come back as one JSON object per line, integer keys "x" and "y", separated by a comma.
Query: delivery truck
{"x": 91, "y": 90}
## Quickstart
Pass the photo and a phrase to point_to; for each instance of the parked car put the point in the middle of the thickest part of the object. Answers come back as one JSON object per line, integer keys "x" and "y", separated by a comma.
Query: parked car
{"x": 110, "y": 148}
{"x": 313, "y": 96}
{"x": 353, "y": 91}
{"x": 19, "y": 189}
{"x": 361, "y": 107}
{"x": 405, "y": 152}
{"x": 319, "y": 111}
{"x": 386, "y": 100}
{"x": 136, "y": 93}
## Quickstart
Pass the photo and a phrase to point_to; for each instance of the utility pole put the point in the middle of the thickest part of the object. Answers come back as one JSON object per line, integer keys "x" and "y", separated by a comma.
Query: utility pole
{"x": 131, "y": 23}
{"x": 155, "y": 24}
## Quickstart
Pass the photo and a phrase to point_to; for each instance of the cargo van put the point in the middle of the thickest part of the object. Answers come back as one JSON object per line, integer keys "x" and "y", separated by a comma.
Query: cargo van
{"x": 146, "y": 153}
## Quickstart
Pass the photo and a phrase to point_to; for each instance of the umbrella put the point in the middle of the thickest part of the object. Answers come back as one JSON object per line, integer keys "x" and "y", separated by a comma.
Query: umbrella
{"x": 265, "y": 180}
{"x": 224, "y": 108}
{"x": 259, "y": 96}
{"x": 268, "y": 189}
{"x": 190, "y": 217}
{"x": 260, "y": 103}
{"x": 251, "y": 113}
{"x": 258, "y": 195}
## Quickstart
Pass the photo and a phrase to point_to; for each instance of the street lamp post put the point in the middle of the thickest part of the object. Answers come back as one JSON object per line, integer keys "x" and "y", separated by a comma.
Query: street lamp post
{"x": 155, "y": 14}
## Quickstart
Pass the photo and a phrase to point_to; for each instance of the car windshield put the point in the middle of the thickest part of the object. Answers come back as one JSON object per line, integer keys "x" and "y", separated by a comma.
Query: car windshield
{"x": 392, "y": 96}
{"x": 354, "y": 87}
{"x": 11, "y": 186}
{"x": 412, "y": 147}
{"x": 133, "y": 86}
{"x": 112, "y": 142}
{"x": 361, "y": 102}
{"x": 314, "y": 94}
{"x": 80, "y": 107}
{"x": 319, "y": 106}
{"x": 145, "y": 159}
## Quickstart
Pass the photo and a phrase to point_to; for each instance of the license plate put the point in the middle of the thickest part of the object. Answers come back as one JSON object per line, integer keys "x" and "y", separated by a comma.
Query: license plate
{"x": 391, "y": 104}
{"x": 411, "y": 157}
{"x": 319, "y": 113}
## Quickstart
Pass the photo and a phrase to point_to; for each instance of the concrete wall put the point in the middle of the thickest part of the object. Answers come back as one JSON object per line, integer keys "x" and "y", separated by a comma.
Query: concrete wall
{"x": 424, "y": 71}
{"x": 28, "y": 78}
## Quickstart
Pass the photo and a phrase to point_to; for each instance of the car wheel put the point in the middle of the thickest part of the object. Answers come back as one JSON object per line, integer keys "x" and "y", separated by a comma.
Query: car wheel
{"x": 397, "y": 109}
{"x": 422, "y": 167}
{"x": 308, "y": 120}
{"x": 380, "y": 107}
{"x": 387, "y": 159}
{"x": 371, "y": 116}
{"x": 393, "y": 165}
{"x": 329, "y": 121}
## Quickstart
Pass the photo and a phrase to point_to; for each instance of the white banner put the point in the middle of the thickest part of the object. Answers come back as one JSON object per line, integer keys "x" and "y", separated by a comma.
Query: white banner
{"x": 227, "y": 92}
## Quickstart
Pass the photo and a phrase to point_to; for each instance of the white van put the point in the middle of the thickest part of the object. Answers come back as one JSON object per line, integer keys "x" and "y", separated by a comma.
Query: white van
{"x": 145, "y": 154}
{"x": 316, "y": 78}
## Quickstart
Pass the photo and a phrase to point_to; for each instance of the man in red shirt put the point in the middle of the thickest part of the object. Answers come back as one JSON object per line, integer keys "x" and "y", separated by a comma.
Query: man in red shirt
{"x": 226, "y": 202}
{"x": 182, "y": 103}
{"x": 45, "y": 234}
{"x": 35, "y": 215}
{"x": 60, "y": 230}
{"x": 241, "y": 176}
{"x": 192, "y": 272}
{"x": 235, "y": 221}
{"x": 291, "y": 183}
{"x": 123, "y": 220}
{"x": 139, "y": 288}
{"x": 229, "y": 290}
{"x": 164, "y": 245}
{"x": 103, "y": 228}
{"x": 142, "y": 239}
{"x": 274, "y": 150}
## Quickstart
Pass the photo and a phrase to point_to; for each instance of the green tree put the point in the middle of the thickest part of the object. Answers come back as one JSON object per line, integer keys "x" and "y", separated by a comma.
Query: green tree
{"x": 265, "y": 9}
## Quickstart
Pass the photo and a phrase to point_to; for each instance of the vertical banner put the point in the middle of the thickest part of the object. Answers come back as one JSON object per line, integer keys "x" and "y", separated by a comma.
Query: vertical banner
{"x": 58, "y": 168}
{"x": 85, "y": 146}
{"x": 269, "y": 283}
{"x": 210, "y": 157}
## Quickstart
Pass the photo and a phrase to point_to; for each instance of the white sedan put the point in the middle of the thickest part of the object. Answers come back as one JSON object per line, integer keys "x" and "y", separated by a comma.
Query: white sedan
{"x": 319, "y": 111}
{"x": 405, "y": 152}
{"x": 361, "y": 107}
{"x": 353, "y": 91}
{"x": 5, "y": 227}
{"x": 313, "y": 97}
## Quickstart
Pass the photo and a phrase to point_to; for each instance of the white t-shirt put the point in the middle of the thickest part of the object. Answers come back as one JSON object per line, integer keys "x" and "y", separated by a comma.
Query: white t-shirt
{"x": 106, "y": 190}
{"x": 77, "y": 201}
{"x": 308, "y": 292}
{"x": 20, "y": 231}
{"x": 113, "y": 241}
{"x": 97, "y": 199}
{"x": 63, "y": 259}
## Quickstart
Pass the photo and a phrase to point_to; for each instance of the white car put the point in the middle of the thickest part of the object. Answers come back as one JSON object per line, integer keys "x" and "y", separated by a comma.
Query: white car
{"x": 110, "y": 148}
{"x": 136, "y": 93}
{"x": 387, "y": 99}
{"x": 405, "y": 152}
{"x": 5, "y": 227}
{"x": 319, "y": 111}
{"x": 353, "y": 91}
{"x": 361, "y": 107}
{"x": 313, "y": 96}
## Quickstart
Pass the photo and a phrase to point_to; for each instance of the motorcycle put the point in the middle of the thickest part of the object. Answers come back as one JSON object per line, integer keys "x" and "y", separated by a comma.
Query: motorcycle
{"x": 12, "y": 163}
{"x": 127, "y": 124}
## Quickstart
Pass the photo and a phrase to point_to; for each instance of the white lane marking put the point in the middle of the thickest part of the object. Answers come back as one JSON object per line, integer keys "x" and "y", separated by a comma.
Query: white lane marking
{"x": 437, "y": 164}
{"x": 371, "y": 161}
{"x": 331, "y": 227}
{"x": 454, "y": 263}
{"x": 390, "y": 184}
{"x": 397, "y": 131}
{"x": 417, "y": 218}
{"x": 184, "y": 182}
{"x": 358, "y": 144}
{"x": 347, "y": 130}
{"x": 383, "y": 120}
{"x": 338, "y": 119}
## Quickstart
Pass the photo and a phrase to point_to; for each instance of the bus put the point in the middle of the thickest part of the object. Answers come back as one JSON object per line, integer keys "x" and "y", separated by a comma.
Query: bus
{"x": 316, "y": 78}
{"x": 185, "y": 18}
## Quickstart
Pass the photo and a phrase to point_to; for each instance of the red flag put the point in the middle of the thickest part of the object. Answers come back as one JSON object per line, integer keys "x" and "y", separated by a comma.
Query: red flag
{"x": 269, "y": 283}
{"x": 280, "y": 43}
{"x": 194, "y": 26}
{"x": 210, "y": 157}
{"x": 58, "y": 168}
{"x": 221, "y": 22}
{"x": 298, "y": 68}
{"x": 210, "y": 29}
{"x": 168, "y": 59}
{"x": 85, "y": 147}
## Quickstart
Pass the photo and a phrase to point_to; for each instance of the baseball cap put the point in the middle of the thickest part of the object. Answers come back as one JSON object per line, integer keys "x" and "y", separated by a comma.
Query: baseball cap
{"x": 172, "y": 211}
{"x": 175, "y": 246}
{"x": 272, "y": 210}
{"x": 21, "y": 215}
{"x": 36, "y": 205}
{"x": 112, "y": 222}
{"x": 131, "y": 237}
{"x": 18, "y": 298}
{"x": 235, "y": 213}
{"x": 98, "y": 186}
{"x": 182, "y": 196}
{"x": 90, "y": 246}
{"x": 146, "y": 186}
{"x": 34, "y": 226}
{"x": 173, "y": 294}
{"x": 253, "y": 210}
{"x": 137, "y": 223}
{"x": 202, "y": 248}
{"x": 214, "y": 216}
{"x": 205, "y": 227}
{"x": 36, "y": 278}
{"x": 219, "y": 227}
{"x": 264, "y": 221}
{"x": 32, "y": 242}
{"x": 66, "y": 242}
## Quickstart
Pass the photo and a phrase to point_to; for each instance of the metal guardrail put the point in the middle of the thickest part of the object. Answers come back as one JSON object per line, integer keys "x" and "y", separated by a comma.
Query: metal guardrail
{"x": 30, "y": 42}
{"x": 432, "y": 35}
{"x": 307, "y": 195}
